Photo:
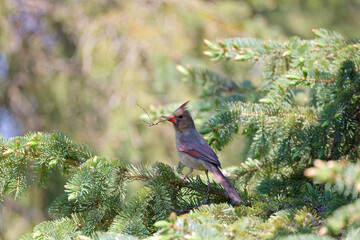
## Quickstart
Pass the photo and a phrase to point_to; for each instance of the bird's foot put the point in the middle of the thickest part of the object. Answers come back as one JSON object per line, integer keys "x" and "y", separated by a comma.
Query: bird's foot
{"x": 206, "y": 197}
{"x": 184, "y": 178}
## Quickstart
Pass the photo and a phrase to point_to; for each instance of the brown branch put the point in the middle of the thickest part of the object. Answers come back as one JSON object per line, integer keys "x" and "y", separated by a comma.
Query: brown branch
{"x": 317, "y": 80}
{"x": 19, "y": 174}
{"x": 151, "y": 123}
{"x": 40, "y": 173}
{"x": 244, "y": 114}
{"x": 352, "y": 146}
{"x": 177, "y": 182}
{"x": 278, "y": 104}
{"x": 185, "y": 210}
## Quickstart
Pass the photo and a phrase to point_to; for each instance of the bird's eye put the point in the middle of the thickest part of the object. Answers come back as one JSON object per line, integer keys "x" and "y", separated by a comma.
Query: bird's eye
{"x": 180, "y": 116}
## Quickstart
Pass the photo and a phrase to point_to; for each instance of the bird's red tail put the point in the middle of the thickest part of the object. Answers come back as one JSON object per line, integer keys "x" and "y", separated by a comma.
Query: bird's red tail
{"x": 225, "y": 183}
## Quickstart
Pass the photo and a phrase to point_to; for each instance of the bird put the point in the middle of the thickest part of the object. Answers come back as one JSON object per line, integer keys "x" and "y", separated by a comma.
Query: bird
{"x": 195, "y": 152}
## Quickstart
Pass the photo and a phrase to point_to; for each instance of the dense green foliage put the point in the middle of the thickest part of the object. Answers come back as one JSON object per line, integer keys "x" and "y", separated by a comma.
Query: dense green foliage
{"x": 83, "y": 66}
{"x": 306, "y": 109}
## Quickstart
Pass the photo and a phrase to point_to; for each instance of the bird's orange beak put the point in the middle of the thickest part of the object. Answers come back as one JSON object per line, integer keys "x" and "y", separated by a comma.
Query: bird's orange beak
{"x": 171, "y": 118}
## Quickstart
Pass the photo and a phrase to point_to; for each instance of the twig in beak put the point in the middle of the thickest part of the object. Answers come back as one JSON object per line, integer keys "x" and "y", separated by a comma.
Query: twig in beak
{"x": 151, "y": 123}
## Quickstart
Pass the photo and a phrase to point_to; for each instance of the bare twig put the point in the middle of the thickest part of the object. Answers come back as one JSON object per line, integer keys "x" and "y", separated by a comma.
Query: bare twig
{"x": 151, "y": 123}
{"x": 352, "y": 146}
{"x": 185, "y": 210}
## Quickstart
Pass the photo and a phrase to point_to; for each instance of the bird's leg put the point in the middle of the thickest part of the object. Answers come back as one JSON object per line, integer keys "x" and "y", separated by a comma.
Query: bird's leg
{"x": 208, "y": 186}
{"x": 184, "y": 177}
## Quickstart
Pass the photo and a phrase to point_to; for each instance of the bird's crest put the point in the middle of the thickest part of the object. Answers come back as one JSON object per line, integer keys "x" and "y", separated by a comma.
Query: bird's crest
{"x": 182, "y": 108}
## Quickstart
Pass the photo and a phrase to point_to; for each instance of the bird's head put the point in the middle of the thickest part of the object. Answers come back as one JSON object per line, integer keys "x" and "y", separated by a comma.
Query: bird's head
{"x": 181, "y": 118}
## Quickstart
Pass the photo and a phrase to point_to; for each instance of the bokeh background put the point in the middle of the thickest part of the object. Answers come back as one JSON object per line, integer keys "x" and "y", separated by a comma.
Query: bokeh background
{"x": 83, "y": 66}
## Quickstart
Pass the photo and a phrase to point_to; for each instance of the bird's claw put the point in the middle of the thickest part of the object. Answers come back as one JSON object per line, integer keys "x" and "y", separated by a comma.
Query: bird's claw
{"x": 206, "y": 195}
{"x": 184, "y": 179}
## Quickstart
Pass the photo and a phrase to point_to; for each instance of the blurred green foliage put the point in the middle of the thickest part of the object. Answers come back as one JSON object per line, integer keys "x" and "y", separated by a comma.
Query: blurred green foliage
{"x": 82, "y": 66}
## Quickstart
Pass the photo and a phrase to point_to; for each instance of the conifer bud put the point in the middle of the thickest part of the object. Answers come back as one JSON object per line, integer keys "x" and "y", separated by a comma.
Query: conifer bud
{"x": 210, "y": 45}
{"x": 82, "y": 237}
{"x": 330, "y": 164}
{"x": 207, "y": 42}
{"x": 172, "y": 216}
{"x": 286, "y": 53}
{"x": 318, "y": 163}
{"x": 305, "y": 71}
{"x": 323, "y": 231}
{"x": 292, "y": 77}
{"x": 242, "y": 57}
{"x": 318, "y": 44}
{"x": 52, "y": 163}
{"x": 72, "y": 197}
{"x": 96, "y": 160}
{"x": 222, "y": 44}
{"x": 357, "y": 187}
{"x": 310, "y": 172}
{"x": 162, "y": 224}
{"x": 210, "y": 54}
{"x": 8, "y": 152}
{"x": 337, "y": 115}
{"x": 265, "y": 101}
{"x": 181, "y": 69}
{"x": 236, "y": 46}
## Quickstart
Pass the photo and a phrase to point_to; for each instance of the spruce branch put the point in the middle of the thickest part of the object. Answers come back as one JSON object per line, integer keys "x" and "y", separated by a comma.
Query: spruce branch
{"x": 352, "y": 146}
{"x": 18, "y": 178}
{"x": 309, "y": 109}
{"x": 41, "y": 170}
{"x": 191, "y": 184}
{"x": 304, "y": 79}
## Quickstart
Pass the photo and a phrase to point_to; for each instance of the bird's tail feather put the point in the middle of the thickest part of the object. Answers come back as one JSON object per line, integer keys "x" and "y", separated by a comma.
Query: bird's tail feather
{"x": 225, "y": 183}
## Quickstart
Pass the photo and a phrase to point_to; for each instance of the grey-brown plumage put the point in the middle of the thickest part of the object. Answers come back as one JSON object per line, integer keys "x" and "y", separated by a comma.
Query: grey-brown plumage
{"x": 195, "y": 152}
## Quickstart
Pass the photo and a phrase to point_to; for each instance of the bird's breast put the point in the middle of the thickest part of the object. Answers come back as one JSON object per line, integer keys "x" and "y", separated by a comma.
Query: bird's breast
{"x": 191, "y": 162}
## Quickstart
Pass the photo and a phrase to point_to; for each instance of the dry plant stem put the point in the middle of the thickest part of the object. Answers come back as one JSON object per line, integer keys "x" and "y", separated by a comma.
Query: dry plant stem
{"x": 151, "y": 123}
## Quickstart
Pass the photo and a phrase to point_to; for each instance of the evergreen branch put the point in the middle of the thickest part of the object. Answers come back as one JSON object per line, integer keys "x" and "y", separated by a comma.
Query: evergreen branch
{"x": 226, "y": 122}
{"x": 353, "y": 47}
{"x": 39, "y": 153}
{"x": 186, "y": 210}
{"x": 304, "y": 79}
{"x": 243, "y": 49}
{"x": 61, "y": 138}
{"x": 342, "y": 218}
{"x": 352, "y": 146}
{"x": 18, "y": 178}
{"x": 307, "y": 108}
{"x": 132, "y": 172}
{"x": 178, "y": 183}
{"x": 41, "y": 169}
{"x": 327, "y": 35}
{"x": 343, "y": 176}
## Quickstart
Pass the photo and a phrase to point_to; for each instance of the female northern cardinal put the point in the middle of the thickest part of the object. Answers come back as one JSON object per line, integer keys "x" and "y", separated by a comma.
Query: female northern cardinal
{"x": 195, "y": 152}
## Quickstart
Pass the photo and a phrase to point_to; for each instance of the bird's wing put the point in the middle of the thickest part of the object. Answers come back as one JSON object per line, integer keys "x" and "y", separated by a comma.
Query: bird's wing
{"x": 199, "y": 149}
